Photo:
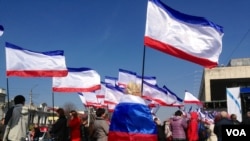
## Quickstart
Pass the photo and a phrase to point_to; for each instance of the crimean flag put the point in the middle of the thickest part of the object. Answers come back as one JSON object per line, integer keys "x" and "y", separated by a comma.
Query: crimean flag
{"x": 113, "y": 94}
{"x": 132, "y": 121}
{"x": 26, "y": 63}
{"x": 191, "y": 99}
{"x": 188, "y": 37}
{"x": 157, "y": 94}
{"x": 150, "y": 79}
{"x": 77, "y": 80}
{"x": 125, "y": 77}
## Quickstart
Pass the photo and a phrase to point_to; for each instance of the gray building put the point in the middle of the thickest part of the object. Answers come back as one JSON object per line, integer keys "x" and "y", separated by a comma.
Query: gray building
{"x": 215, "y": 81}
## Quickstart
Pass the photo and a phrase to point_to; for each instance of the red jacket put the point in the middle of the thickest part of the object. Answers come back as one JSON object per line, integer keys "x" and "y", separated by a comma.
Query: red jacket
{"x": 75, "y": 132}
{"x": 192, "y": 130}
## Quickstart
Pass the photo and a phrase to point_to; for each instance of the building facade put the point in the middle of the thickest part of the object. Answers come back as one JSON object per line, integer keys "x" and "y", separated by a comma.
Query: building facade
{"x": 215, "y": 81}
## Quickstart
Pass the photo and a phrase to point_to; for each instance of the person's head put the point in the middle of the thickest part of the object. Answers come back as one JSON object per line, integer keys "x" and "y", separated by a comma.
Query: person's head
{"x": 178, "y": 113}
{"x": 100, "y": 112}
{"x": 233, "y": 117}
{"x": 217, "y": 117}
{"x": 223, "y": 114}
{"x": 19, "y": 99}
{"x": 248, "y": 114}
{"x": 73, "y": 113}
{"x": 60, "y": 111}
{"x": 157, "y": 121}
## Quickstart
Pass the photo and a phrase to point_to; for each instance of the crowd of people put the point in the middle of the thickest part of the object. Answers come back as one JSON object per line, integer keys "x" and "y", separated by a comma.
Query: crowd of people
{"x": 179, "y": 127}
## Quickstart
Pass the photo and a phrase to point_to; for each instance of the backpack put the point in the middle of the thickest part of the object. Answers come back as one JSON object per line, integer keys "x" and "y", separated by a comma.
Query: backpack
{"x": 203, "y": 132}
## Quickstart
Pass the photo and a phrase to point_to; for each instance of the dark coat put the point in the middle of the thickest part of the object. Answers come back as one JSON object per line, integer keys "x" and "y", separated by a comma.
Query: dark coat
{"x": 160, "y": 133}
{"x": 60, "y": 130}
{"x": 217, "y": 126}
{"x": 246, "y": 120}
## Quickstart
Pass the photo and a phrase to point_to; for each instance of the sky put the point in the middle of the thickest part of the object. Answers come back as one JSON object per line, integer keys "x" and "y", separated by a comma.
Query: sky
{"x": 108, "y": 35}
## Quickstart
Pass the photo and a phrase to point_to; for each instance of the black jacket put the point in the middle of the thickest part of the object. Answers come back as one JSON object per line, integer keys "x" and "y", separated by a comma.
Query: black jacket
{"x": 60, "y": 130}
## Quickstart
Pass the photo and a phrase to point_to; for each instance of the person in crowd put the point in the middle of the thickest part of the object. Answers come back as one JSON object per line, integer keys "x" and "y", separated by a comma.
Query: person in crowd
{"x": 192, "y": 129}
{"x": 178, "y": 126}
{"x": 246, "y": 119}
{"x": 74, "y": 125}
{"x": 85, "y": 128}
{"x": 234, "y": 119}
{"x": 2, "y": 127}
{"x": 203, "y": 131}
{"x": 160, "y": 130}
{"x": 212, "y": 136}
{"x": 17, "y": 126}
{"x": 59, "y": 129}
{"x": 167, "y": 131}
{"x": 101, "y": 126}
{"x": 224, "y": 120}
{"x": 36, "y": 132}
{"x": 32, "y": 134}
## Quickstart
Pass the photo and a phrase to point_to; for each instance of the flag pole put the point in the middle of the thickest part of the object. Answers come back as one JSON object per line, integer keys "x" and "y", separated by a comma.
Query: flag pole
{"x": 53, "y": 113}
{"x": 8, "y": 96}
{"x": 143, "y": 65}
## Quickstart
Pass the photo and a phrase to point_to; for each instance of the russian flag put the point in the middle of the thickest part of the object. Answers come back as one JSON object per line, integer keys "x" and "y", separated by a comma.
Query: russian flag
{"x": 191, "y": 38}
{"x": 132, "y": 121}
{"x": 77, "y": 80}
{"x": 25, "y": 63}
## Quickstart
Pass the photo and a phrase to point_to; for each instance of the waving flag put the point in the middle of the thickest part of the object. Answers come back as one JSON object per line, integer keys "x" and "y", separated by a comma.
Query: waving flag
{"x": 150, "y": 79}
{"x": 153, "y": 92}
{"x": 113, "y": 94}
{"x": 125, "y": 77}
{"x": 172, "y": 93}
{"x": 89, "y": 99}
{"x": 190, "y": 98}
{"x": 137, "y": 121}
{"x": 77, "y": 80}
{"x": 25, "y": 63}
{"x": 191, "y": 38}
{"x": 100, "y": 93}
{"x": 111, "y": 80}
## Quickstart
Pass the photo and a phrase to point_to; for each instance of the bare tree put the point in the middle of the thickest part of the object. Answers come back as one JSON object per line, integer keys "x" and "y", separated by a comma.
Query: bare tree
{"x": 68, "y": 107}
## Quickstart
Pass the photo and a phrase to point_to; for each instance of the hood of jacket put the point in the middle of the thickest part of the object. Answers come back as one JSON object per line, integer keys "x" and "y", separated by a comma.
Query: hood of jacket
{"x": 194, "y": 115}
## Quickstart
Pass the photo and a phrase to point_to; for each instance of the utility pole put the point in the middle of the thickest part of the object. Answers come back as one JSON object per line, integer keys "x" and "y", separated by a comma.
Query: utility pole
{"x": 31, "y": 95}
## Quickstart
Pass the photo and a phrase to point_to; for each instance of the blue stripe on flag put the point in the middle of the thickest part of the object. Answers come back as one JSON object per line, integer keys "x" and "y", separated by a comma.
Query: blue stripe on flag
{"x": 234, "y": 99}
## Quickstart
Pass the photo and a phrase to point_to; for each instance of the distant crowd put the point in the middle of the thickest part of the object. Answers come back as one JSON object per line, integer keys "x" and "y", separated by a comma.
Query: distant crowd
{"x": 179, "y": 127}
